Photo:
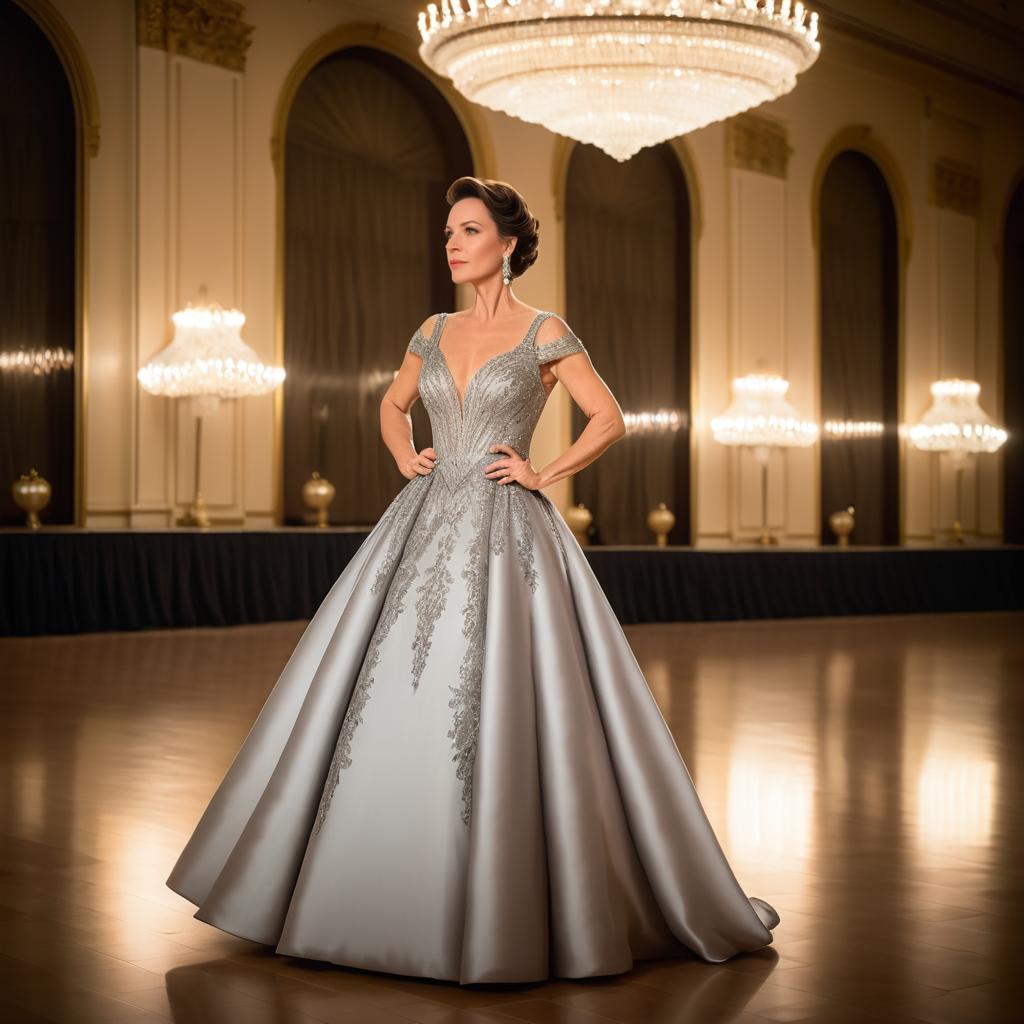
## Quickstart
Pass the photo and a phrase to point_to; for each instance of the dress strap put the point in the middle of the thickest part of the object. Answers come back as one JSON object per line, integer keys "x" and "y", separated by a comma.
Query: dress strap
{"x": 435, "y": 334}
{"x": 419, "y": 344}
{"x": 565, "y": 345}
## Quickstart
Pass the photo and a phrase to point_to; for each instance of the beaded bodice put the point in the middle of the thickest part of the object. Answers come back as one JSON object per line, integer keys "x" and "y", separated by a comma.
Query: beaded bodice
{"x": 502, "y": 403}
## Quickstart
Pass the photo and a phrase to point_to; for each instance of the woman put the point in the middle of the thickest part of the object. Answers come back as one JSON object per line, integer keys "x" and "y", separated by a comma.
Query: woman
{"x": 461, "y": 772}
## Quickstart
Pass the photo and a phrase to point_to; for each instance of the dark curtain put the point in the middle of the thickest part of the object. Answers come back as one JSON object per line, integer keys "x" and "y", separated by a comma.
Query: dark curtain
{"x": 1013, "y": 370}
{"x": 628, "y": 299}
{"x": 859, "y": 347}
{"x": 371, "y": 148}
{"x": 37, "y": 266}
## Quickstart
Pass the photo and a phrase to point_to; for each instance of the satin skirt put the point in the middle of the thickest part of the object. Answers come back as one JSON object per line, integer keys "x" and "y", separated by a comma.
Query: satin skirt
{"x": 574, "y": 842}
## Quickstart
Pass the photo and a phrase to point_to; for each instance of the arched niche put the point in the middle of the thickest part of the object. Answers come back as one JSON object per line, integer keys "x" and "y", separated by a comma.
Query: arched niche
{"x": 1013, "y": 366}
{"x": 45, "y": 130}
{"x": 367, "y": 150}
{"x": 859, "y": 268}
{"x": 628, "y": 229}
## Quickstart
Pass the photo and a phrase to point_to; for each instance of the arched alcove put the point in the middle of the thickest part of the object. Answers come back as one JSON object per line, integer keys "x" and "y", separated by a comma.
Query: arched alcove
{"x": 628, "y": 241}
{"x": 859, "y": 275}
{"x": 370, "y": 147}
{"x": 39, "y": 189}
{"x": 1013, "y": 368}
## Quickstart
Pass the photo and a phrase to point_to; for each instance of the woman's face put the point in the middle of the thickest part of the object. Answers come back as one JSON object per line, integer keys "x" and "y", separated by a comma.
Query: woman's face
{"x": 471, "y": 241}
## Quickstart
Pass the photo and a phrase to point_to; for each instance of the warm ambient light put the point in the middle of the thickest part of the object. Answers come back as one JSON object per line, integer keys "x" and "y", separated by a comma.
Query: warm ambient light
{"x": 621, "y": 74}
{"x": 649, "y": 422}
{"x": 841, "y": 430}
{"x": 36, "y": 361}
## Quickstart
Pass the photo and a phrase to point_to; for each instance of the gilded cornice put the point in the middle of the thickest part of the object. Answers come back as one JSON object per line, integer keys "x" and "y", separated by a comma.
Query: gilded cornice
{"x": 757, "y": 143}
{"x": 208, "y": 30}
{"x": 955, "y": 186}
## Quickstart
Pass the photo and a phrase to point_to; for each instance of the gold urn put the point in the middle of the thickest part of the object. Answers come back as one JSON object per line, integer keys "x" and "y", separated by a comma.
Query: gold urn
{"x": 317, "y": 494}
{"x": 579, "y": 518}
{"x": 32, "y": 494}
{"x": 842, "y": 523}
{"x": 660, "y": 521}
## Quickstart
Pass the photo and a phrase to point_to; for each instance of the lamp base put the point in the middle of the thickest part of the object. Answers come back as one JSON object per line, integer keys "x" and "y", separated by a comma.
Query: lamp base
{"x": 197, "y": 514}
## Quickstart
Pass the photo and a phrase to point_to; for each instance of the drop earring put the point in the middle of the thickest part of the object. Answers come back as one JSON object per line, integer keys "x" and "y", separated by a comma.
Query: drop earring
{"x": 506, "y": 270}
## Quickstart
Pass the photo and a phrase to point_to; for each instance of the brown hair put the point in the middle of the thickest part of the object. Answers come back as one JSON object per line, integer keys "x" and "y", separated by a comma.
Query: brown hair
{"x": 510, "y": 213}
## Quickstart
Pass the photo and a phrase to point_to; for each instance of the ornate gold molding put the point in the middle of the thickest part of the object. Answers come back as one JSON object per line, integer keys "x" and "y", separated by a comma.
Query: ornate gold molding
{"x": 756, "y": 143}
{"x": 954, "y": 185}
{"x": 208, "y": 30}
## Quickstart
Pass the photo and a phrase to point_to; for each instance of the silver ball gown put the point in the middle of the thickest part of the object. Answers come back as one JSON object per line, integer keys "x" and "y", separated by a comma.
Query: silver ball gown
{"x": 461, "y": 772}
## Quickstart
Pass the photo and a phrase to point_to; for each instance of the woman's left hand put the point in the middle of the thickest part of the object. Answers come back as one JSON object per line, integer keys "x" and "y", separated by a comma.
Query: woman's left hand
{"x": 515, "y": 467}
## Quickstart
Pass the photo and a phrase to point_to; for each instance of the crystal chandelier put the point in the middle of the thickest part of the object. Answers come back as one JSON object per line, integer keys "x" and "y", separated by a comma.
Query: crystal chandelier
{"x": 760, "y": 419}
{"x": 620, "y": 74}
{"x": 207, "y": 361}
{"x": 956, "y": 426}
{"x": 207, "y": 357}
{"x": 955, "y": 422}
{"x": 761, "y": 416}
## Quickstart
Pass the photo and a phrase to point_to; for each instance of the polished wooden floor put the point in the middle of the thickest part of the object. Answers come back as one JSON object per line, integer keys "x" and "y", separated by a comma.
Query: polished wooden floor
{"x": 864, "y": 775}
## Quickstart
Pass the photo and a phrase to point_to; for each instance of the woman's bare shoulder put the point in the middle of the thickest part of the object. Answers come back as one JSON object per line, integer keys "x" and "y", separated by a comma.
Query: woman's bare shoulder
{"x": 553, "y": 328}
{"x": 427, "y": 327}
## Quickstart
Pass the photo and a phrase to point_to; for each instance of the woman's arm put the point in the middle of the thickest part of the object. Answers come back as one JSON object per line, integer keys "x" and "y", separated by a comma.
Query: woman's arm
{"x": 605, "y": 423}
{"x": 395, "y": 421}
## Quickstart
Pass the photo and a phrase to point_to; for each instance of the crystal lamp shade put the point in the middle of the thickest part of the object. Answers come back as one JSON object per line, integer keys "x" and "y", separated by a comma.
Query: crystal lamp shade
{"x": 955, "y": 422}
{"x": 761, "y": 416}
{"x": 621, "y": 74}
{"x": 207, "y": 356}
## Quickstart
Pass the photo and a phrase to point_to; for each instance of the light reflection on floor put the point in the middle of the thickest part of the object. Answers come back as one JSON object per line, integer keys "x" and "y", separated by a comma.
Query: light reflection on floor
{"x": 864, "y": 776}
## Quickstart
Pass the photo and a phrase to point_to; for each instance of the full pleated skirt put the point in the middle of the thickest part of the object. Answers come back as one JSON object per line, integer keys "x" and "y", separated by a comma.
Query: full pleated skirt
{"x": 461, "y": 772}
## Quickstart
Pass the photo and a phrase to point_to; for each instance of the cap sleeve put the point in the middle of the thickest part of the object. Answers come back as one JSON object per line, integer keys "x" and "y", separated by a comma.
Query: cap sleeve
{"x": 417, "y": 344}
{"x": 566, "y": 344}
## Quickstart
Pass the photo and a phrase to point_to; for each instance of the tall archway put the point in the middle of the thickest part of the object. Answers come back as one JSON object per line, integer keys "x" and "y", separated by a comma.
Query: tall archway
{"x": 39, "y": 350}
{"x": 1013, "y": 368}
{"x": 859, "y": 274}
{"x": 628, "y": 297}
{"x": 369, "y": 149}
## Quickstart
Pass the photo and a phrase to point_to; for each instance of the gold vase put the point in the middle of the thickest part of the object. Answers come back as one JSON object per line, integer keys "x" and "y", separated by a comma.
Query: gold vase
{"x": 317, "y": 494}
{"x": 579, "y": 518}
{"x": 32, "y": 494}
{"x": 842, "y": 524}
{"x": 660, "y": 521}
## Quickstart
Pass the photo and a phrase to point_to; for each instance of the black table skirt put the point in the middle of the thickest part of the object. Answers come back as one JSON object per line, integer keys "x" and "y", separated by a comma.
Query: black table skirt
{"x": 76, "y": 581}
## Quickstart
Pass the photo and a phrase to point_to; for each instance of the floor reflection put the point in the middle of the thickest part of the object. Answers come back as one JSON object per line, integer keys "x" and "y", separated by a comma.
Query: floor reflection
{"x": 862, "y": 776}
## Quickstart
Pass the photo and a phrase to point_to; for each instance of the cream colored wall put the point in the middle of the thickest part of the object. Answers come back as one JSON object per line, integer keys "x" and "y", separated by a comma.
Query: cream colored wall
{"x": 183, "y": 192}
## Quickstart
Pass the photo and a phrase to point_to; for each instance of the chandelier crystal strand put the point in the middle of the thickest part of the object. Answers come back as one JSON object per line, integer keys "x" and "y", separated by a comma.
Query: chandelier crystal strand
{"x": 620, "y": 74}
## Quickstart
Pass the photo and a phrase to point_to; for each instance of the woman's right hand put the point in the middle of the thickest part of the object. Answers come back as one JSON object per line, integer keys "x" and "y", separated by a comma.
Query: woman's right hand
{"x": 418, "y": 465}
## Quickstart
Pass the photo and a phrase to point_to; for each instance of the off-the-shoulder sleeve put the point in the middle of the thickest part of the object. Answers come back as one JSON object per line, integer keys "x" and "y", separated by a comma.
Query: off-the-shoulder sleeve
{"x": 417, "y": 344}
{"x": 566, "y": 345}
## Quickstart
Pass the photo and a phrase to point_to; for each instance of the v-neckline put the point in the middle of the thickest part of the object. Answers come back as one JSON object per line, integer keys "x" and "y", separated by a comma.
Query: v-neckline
{"x": 461, "y": 399}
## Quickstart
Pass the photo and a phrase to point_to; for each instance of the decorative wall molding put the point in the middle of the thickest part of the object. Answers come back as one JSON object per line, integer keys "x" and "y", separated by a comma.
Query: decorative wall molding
{"x": 211, "y": 31}
{"x": 954, "y": 185}
{"x": 756, "y": 143}
{"x": 835, "y": 15}
{"x": 68, "y": 48}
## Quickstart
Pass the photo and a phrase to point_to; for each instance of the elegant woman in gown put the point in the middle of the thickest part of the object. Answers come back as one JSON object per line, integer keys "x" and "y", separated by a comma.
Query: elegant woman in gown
{"x": 461, "y": 772}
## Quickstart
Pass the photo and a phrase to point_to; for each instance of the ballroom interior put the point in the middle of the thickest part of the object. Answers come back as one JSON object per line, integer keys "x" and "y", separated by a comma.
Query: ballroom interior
{"x": 811, "y": 313}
